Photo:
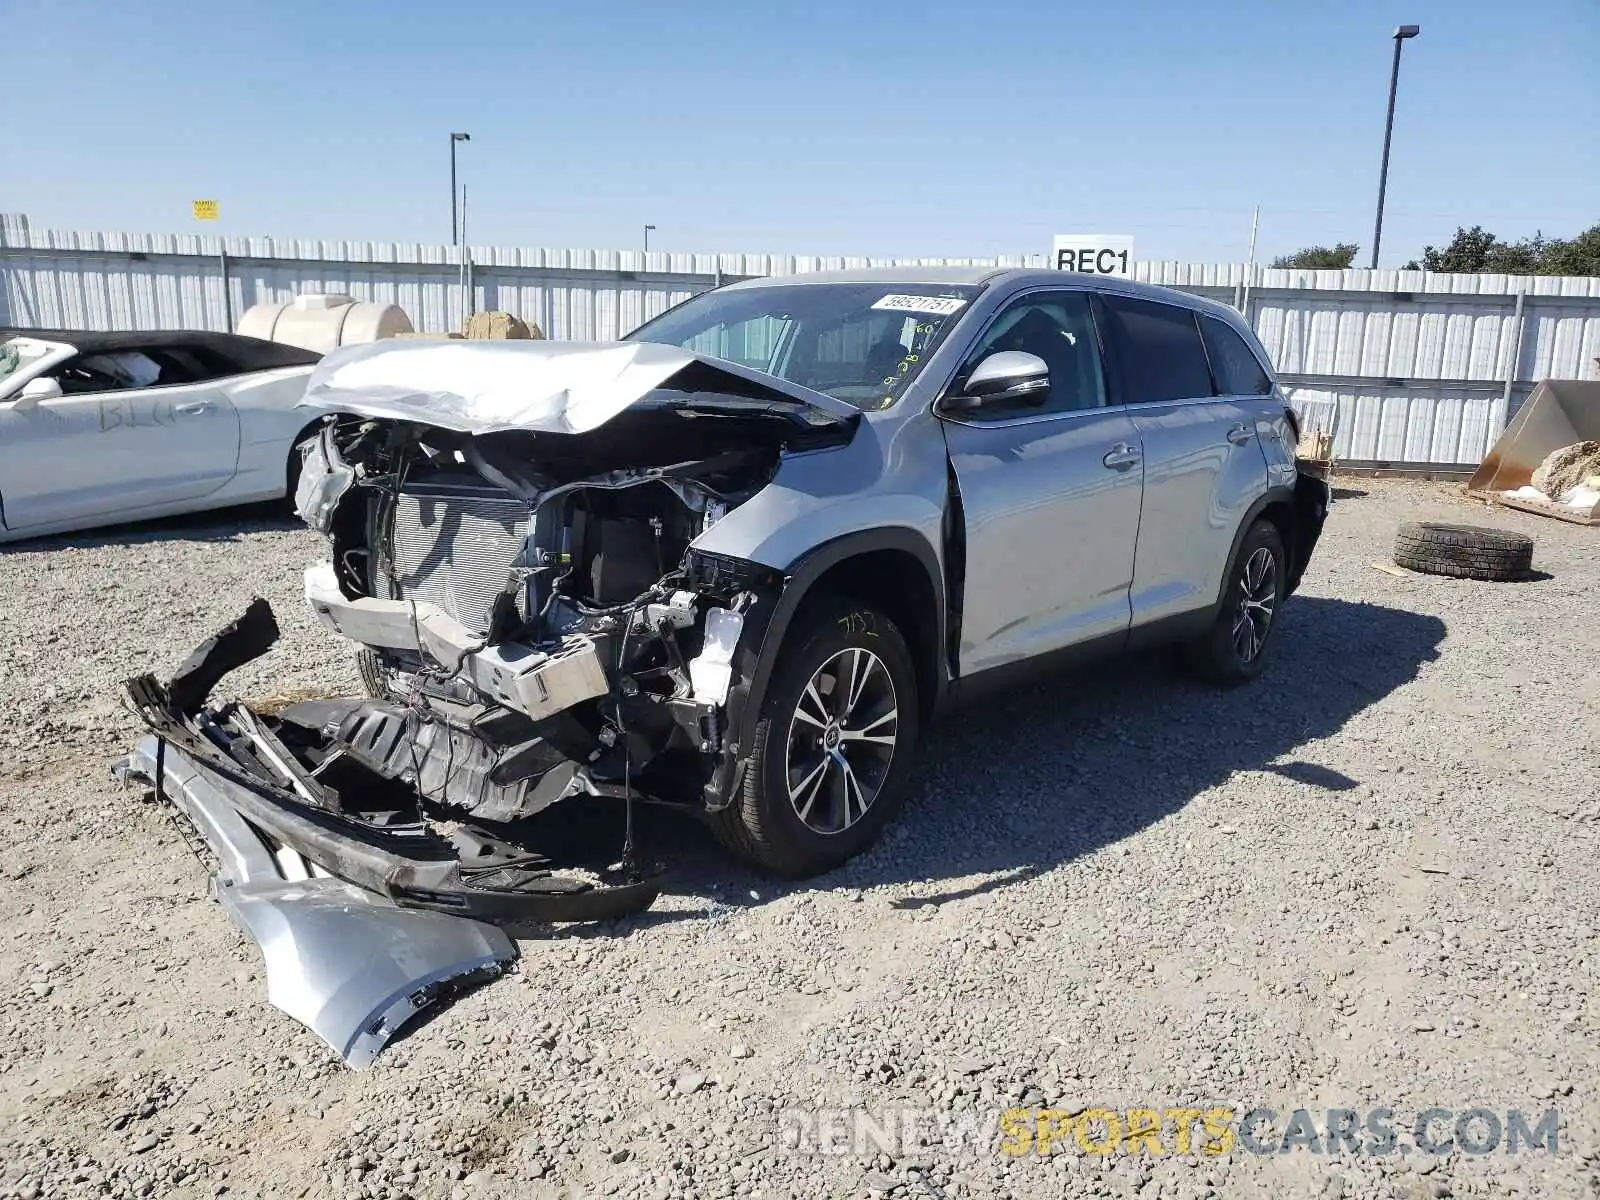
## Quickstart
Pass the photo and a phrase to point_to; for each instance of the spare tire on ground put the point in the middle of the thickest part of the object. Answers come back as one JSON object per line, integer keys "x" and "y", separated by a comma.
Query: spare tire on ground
{"x": 1464, "y": 551}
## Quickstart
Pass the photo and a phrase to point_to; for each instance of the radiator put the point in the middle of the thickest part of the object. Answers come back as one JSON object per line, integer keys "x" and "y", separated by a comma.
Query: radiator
{"x": 454, "y": 546}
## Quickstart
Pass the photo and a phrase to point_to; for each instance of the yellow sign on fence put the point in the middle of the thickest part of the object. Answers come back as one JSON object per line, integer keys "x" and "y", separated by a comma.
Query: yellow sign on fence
{"x": 206, "y": 210}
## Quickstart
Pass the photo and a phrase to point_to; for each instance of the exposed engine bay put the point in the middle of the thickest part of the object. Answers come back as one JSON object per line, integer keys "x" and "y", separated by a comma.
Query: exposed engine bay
{"x": 538, "y": 625}
{"x": 535, "y": 626}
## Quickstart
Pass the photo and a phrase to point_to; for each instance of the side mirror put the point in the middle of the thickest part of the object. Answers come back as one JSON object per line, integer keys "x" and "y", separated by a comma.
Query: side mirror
{"x": 1007, "y": 376}
{"x": 35, "y": 390}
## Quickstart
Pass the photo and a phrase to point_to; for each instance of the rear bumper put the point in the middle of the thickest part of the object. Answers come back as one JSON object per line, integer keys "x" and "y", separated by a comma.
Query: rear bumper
{"x": 1313, "y": 496}
{"x": 348, "y": 963}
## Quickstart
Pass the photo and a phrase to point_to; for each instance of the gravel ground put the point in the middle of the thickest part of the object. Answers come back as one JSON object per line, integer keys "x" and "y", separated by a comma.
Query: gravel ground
{"x": 1368, "y": 880}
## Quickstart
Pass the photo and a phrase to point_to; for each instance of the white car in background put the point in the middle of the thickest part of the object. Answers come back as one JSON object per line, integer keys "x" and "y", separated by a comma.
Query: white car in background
{"x": 102, "y": 428}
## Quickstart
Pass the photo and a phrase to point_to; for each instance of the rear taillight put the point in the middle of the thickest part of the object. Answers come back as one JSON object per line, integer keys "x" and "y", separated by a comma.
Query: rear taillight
{"x": 1293, "y": 418}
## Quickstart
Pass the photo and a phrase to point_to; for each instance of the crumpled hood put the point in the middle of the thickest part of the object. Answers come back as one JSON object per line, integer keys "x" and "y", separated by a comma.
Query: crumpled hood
{"x": 545, "y": 387}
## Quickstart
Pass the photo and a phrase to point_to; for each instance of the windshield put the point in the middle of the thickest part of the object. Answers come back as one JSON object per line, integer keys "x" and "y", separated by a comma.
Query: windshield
{"x": 18, "y": 355}
{"x": 862, "y": 343}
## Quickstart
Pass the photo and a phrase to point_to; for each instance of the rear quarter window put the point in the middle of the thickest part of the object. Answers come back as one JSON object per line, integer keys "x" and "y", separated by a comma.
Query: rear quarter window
{"x": 1157, "y": 351}
{"x": 1237, "y": 369}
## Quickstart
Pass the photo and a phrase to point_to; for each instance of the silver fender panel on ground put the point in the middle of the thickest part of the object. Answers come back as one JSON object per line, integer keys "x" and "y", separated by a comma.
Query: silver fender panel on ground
{"x": 349, "y": 965}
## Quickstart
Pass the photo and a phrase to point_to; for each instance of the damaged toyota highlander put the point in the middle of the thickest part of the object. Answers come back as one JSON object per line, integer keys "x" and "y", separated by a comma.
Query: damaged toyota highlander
{"x": 734, "y": 564}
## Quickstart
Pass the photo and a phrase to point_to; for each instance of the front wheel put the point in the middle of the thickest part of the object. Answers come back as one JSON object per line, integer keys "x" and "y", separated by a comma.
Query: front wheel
{"x": 375, "y": 676}
{"x": 833, "y": 749}
{"x": 1233, "y": 650}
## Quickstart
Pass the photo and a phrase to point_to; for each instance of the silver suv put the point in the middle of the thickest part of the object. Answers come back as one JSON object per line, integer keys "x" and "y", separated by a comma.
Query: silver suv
{"x": 739, "y": 561}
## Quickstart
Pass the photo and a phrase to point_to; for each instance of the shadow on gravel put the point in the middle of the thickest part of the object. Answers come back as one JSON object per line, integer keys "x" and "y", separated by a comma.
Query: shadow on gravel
{"x": 1315, "y": 775}
{"x": 216, "y": 525}
{"x": 1087, "y": 759}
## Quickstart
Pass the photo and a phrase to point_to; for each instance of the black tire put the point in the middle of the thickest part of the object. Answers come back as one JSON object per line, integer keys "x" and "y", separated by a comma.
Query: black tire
{"x": 1463, "y": 551}
{"x": 762, "y": 825}
{"x": 1227, "y": 653}
{"x": 374, "y": 675}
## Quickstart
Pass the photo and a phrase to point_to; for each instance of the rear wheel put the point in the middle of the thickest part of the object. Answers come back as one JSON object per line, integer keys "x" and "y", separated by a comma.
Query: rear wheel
{"x": 833, "y": 748}
{"x": 1233, "y": 650}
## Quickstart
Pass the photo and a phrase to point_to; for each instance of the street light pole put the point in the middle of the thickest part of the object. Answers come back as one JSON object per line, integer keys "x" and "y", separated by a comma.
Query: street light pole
{"x": 647, "y": 231}
{"x": 1400, "y": 35}
{"x": 455, "y": 236}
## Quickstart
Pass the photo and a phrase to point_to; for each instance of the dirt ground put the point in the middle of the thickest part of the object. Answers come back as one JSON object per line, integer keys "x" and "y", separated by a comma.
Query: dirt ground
{"x": 1368, "y": 881}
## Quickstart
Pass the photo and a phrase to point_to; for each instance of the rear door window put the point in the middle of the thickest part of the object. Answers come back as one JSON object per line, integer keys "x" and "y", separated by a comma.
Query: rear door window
{"x": 1157, "y": 351}
{"x": 1238, "y": 371}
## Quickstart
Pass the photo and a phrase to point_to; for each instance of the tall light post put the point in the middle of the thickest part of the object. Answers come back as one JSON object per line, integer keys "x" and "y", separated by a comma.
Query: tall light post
{"x": 1400, "y": 36}
{"x": 455, "y": 235}
{"x": 648, "y": 230}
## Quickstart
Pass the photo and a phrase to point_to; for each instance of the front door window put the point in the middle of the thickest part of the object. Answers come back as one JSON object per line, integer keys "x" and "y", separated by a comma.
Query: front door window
{"x": 1057, "y": 327}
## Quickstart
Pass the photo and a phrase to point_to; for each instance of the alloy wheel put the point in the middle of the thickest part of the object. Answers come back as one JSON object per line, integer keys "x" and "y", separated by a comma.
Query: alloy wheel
{"x": 1258, "y": 598}
{"x": 841, "y": 741}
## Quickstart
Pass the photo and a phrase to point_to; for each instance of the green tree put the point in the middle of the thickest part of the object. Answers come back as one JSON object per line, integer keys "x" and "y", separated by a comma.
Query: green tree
{"x": 1580, "y": 256}
{"x": 1518, "y": 258}
{"x": 1467, "y": 253}
{"x": 1319, "y": 258}
{"x": 1476, "y": 250}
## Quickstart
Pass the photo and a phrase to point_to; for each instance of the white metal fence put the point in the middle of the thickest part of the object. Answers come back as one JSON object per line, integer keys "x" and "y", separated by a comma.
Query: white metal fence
{"x": 1417, "y": 368}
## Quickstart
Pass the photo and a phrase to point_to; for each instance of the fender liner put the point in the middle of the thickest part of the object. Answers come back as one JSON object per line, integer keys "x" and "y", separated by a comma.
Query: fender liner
{"x": 1281, "y": 494}
{"x": 767, "y": 625}
{"x": 291, "y": 471}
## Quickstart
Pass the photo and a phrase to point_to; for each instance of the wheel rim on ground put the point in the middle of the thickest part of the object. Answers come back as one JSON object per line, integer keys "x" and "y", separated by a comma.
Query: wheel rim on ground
{"x": 841, "y": 741}
{"x": 1258, "y": 597}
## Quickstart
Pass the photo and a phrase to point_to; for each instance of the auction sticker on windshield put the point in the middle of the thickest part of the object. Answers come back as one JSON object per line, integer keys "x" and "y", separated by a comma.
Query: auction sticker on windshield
{"x": 938, "y": 306}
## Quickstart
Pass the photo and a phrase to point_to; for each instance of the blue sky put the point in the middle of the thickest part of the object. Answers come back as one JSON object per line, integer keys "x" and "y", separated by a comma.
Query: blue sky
{"x": 926, "y": 127}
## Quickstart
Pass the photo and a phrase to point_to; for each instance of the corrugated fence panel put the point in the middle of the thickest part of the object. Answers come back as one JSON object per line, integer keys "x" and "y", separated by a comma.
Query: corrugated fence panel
{"x": 1322, "y": 334}
{"x": 1406, "y": 366}
{"x": 1424, "y": 423}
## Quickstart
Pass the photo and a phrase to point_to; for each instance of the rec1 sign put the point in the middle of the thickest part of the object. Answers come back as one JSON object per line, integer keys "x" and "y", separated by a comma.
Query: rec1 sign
{"x": 1094, "y": 253}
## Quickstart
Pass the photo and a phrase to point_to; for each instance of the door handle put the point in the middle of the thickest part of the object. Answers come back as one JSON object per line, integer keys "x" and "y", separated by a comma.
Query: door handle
{"x": 1240, "y": 434}
{"x": 193, "y": 408}
{"x": 1123, "y": 457}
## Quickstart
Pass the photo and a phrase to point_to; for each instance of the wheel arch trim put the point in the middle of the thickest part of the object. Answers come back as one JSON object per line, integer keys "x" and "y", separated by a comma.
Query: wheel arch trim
{"x": 767, "y": 626}
{"x": 1280, "y": 494}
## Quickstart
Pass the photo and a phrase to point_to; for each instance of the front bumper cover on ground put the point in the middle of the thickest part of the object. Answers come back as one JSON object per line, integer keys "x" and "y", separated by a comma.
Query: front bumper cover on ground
{"x": 351, "y": 965}
{"x": 361, "y": 925}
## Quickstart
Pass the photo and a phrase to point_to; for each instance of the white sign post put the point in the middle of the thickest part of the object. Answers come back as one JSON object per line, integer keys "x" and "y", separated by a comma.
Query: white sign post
{"x": 1094, "y": 253}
